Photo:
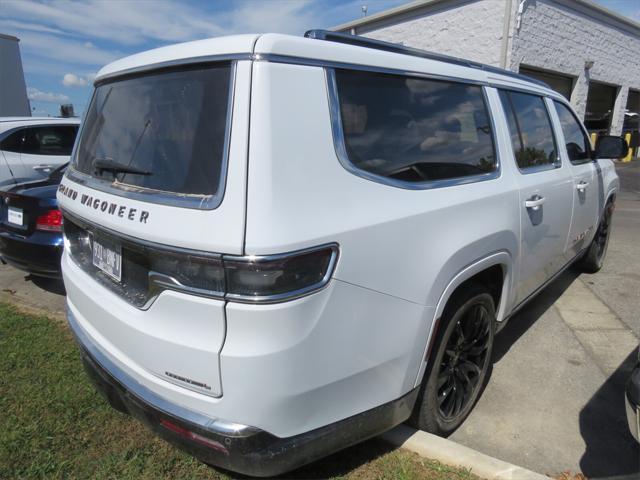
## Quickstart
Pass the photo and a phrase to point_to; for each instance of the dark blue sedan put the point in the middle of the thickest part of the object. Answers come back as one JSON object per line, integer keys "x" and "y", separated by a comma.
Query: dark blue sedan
{"x": 31, "y": 226}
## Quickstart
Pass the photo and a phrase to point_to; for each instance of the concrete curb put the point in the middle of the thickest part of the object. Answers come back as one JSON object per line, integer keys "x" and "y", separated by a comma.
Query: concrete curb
{"x": 454, "y": 454}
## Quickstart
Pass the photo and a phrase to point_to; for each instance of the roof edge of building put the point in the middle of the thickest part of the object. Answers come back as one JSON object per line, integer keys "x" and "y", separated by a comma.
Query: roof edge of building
{"x": 9, "y": 37}
{"x": 418, "y": 4}
{"x": 391, "y": 12}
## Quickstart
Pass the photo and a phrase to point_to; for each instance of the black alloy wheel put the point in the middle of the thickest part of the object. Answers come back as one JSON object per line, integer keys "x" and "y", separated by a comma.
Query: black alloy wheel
{"x": 602, "y": 235}
{"x": 459, "y": 363}
{"x": 593, "y": 258}
{"x": 464, "y": 360}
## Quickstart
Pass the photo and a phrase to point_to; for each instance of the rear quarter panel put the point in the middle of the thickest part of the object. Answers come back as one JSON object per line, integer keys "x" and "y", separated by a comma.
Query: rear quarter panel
{"x": 404, "y": 243}
{"x": 397, "y": 244}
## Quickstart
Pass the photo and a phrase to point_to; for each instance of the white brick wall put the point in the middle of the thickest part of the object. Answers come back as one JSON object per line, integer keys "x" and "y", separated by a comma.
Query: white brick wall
{"x": 462, "y": 29}
{"x": 558, "y": 38}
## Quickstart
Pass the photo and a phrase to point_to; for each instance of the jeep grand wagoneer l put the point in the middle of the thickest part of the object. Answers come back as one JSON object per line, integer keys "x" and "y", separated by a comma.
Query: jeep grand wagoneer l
{"x": 277, "y": 247}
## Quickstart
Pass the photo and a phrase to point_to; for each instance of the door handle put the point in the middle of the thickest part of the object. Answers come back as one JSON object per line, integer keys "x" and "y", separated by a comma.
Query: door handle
{"x": 43, "y": 168}
{"x": 535, "y": 202}
{"x": 582, "y": 186}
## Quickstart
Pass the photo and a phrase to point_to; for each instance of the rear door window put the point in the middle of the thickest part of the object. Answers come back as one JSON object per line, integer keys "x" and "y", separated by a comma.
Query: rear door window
{"x": 13, "y": 142}
{"x": 166, "y": 131}
{"x": 530, "y": 130}
{"x": 49, "y": 140}
{"x": 414, "y": 129}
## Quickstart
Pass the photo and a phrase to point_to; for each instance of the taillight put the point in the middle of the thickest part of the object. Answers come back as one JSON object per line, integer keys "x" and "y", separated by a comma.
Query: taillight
{"x": 50, "y": 221}
{"x": 252, "y": 279}
{"x": 278, "y": 277}
{"x": 148, "y": 269}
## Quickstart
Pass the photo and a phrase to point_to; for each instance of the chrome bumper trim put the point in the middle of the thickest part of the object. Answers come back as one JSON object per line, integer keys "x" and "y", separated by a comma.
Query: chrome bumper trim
{"x": 212, "y": 424}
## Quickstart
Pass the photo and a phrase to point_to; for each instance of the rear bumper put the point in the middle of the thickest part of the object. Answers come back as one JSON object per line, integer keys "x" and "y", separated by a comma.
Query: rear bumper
{"x": 632, "y": 402}
{"x": 39, "y": 256}
{"x": 240, "y": 448}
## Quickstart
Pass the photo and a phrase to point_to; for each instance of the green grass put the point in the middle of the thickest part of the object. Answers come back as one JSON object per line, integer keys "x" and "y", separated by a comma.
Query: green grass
{"x": 54, "y": 425}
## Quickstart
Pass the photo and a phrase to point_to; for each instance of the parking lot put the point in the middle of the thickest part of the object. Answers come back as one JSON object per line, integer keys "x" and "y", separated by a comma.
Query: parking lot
{"x": 555, "y": 399}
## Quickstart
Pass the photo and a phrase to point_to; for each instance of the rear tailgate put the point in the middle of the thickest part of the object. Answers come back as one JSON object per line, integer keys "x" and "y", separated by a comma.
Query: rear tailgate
{"x": 19, "y": 212}
{"x": 172, "y": 221}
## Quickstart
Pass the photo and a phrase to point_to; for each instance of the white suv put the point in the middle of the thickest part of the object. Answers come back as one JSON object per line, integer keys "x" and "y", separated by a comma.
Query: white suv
{"x": 32, "y": 147}
{"x": 277, "y": 247}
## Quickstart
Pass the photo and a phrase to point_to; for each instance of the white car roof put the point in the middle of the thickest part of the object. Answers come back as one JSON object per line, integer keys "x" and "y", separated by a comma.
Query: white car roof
{"x": 43, "y": 120}
{"x": 233, "y": 45}
{"x": 278, "y": 47}
{"x": 9, "y": 123}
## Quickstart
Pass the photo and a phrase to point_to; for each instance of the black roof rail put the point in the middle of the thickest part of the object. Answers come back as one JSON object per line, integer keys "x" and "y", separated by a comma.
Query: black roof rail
{"x": 360, "y": 41}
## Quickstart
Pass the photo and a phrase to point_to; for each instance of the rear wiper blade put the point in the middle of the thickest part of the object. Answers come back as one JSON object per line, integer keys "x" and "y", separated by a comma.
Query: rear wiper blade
{"x": 110, "y": 165}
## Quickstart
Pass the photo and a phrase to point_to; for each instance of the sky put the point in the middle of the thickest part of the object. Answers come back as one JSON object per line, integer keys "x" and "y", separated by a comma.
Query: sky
{"x": 64, "y": 43}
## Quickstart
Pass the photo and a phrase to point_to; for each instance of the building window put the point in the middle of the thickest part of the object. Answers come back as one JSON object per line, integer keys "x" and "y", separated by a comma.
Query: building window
{"x": 600, "y": 101}
{"x": 632, "y": 120}
{"x": 530, "y": 130}
{"x": 562, "y": 84}
{"x": 413, "y": 129}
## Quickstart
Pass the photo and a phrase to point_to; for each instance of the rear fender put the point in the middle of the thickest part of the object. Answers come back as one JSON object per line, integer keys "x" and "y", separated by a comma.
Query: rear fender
{"x": 501, "y": 258}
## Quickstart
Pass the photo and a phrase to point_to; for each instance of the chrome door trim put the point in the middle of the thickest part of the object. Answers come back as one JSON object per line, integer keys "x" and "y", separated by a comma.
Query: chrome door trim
{"x": 315, "y": 62}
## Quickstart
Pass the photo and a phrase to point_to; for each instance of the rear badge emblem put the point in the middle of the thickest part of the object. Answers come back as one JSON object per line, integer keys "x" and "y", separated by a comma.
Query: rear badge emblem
{"x": 188, "y": 380}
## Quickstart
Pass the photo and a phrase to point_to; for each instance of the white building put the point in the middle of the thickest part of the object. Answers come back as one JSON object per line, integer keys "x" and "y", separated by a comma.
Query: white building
{"x": 13, "y": 91}
{"x": 588, "y": 53}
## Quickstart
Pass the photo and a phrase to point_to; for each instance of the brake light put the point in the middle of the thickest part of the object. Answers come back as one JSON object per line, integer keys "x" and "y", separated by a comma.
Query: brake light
{"x": 277, "y": 277}
{"x": 252, "y": 279}
{"x": 50, "y": 221}
{"x": 151, "y": 269}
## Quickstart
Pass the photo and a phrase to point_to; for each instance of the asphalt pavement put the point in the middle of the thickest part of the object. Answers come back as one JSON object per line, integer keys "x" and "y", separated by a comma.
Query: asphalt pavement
{"x": 554, "y": 401}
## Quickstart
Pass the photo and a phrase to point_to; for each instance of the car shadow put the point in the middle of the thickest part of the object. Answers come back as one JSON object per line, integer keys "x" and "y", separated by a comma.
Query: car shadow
{"x": 610, "y": 450}
{"x": 336, "y": 465}
{"x": 52, "y": 285}
{"x": 533, "y": 310}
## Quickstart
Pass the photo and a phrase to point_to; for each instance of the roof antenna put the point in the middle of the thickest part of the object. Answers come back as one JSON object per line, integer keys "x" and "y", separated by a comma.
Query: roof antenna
{"x": 364, "y": 10}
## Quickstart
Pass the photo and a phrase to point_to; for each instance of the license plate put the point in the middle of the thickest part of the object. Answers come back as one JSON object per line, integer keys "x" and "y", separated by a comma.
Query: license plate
{"x": 14, "y": 215}
{"x": 107, "y": 256}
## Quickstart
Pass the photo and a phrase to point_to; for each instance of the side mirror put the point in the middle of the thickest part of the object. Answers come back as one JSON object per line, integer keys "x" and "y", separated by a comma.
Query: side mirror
{"x": 609, "y": 146}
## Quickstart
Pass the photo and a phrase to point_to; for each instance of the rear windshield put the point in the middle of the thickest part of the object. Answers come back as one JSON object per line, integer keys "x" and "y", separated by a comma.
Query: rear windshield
{"x": 163, "y": 131}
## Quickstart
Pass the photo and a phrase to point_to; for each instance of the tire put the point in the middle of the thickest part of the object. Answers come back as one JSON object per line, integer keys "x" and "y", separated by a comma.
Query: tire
{"x": 446, "y": 398}
{"x": 593, "y": 259}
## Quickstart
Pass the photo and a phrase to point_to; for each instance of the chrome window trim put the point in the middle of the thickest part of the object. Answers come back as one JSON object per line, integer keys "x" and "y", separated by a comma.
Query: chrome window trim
{"x": 204, "y": 202}
{"x": 343, "y": 157}
{"x": 515, "y": 88}
{"x": 538, "y": 168}
{"x": 330, "y": 64}
{"x": 159, "y": 282}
